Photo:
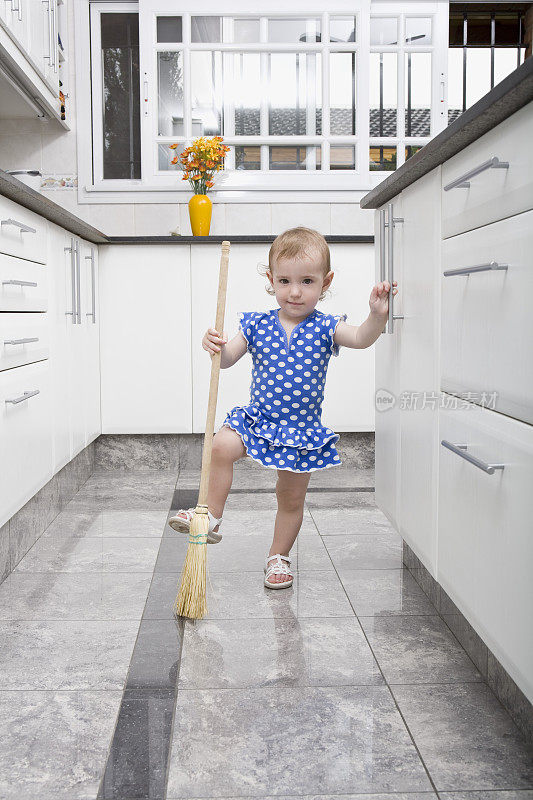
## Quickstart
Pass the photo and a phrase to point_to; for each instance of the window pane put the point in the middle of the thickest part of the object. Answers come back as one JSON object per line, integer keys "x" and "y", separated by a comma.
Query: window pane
{"x": 247, "y": 157}
{"x": 246, "y": 99}
{"x": 342, "y": 89}
{"x": 455, "y": 83}
{"x": 120, "y": 79}
{"x": 165, "y": 155}
{"x": 342, "y": 29}
{"x": 206, "y": 93}
{"x": 418, "y": 30}
{"x": 383, "y": 30}
{"x": 299, "y": 29}
{"x": 295, "y": 94}
{"x": 504, "y": 62}
{"x": 169, "y": 29}
{"x": 410, "y": 150}
{"x": 417, "y": 94}
{"x": 170, "y": 82}
{"x": 206, "y": 29}
{"x": 298, "y": 157}
{"x": 245, "y": 30}
{"x": 382, "y": 158}
{"x": 383, "y": 94}
{"x": 342, "y": 157}
{"x": 477, "y": 74}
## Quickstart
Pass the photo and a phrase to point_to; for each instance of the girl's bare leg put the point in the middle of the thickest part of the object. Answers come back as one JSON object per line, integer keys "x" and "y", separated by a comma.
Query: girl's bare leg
{"x": 291, "y": 488}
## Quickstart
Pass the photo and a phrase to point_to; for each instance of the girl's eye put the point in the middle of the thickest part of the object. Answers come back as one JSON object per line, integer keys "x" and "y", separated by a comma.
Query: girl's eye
{"x": 305, "y": 279}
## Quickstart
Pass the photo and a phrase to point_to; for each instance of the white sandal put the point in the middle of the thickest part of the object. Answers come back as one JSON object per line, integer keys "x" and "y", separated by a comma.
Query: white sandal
{"x": 277, "y": 567}
{"x": 183, "y": 524}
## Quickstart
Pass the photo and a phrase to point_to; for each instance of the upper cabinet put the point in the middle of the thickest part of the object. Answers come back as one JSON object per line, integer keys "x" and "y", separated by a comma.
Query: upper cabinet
{"x": 33, "y": 73}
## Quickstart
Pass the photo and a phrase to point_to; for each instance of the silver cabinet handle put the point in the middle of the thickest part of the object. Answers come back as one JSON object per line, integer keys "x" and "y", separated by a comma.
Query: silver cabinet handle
{"x": 463, "y": 182}
{"x": 23, "y": 397}
{"x": 54, "y": 33}
{"x": 78, "y": 276}
{"x": 14, "y": 282}
{"x": 71, "y": 250}
{"x": 459, "y": 449}
{"x": 18, "y": 8}
{"x": 492, "y": 265}
{"x": 382, "y": 226}
{"x": 390, "y": 225}
{"x": 22, "y": 341}
{"x": 23, "y": 228}
{"x": 93, "y": 287}
{"x": 49, "y": 56}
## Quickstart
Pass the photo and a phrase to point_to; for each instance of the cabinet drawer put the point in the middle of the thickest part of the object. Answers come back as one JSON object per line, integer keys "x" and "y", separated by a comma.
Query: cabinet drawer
{"x": 486, "y": 333}
{"x": 26, "y": 435}
{"x": 494, "y": 193}
{"x": 485, "y": 546}
{"x": 23, "y": 285}
{"x": 15, "y": 330}
{"x": 22, "y": 232}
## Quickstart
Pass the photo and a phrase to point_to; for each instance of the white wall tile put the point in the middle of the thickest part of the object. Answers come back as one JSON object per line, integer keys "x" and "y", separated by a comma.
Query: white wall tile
{"x": 348, "y": 219}
{"x": 248, "y": 218}
{"x": 291, "y": 215}
{"x": 156, "y": 219}
{"x": 113, "y": 219}
{"x": 21, "y": 151}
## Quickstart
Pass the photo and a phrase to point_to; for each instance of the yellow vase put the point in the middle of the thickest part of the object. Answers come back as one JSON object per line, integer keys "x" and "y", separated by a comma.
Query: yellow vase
{"x": 200, "y": 207}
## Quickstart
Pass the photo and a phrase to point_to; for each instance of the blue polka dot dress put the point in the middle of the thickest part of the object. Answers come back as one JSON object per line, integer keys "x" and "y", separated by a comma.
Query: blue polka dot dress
{"x": 281, "y": 426}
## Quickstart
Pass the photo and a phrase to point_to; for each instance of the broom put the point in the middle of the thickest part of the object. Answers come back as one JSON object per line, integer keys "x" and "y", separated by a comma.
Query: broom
{"x": 191, "y": 599}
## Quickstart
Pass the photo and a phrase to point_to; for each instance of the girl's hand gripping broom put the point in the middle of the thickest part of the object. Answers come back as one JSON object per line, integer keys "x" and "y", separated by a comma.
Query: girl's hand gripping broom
{"x": 191, "y": 600}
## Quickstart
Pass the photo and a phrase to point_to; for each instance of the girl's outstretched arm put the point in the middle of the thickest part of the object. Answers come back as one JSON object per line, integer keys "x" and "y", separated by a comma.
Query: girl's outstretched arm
{"x": 364, "y": 335}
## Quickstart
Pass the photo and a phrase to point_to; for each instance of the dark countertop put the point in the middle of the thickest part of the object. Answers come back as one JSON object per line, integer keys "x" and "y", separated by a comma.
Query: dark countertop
{"x": 508, "y": 96}
{"x": 19, "y": 192}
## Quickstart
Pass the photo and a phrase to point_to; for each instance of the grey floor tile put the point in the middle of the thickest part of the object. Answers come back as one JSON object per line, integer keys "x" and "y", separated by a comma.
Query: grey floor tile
{"x": 108, "y": 523}
{"x": 418, "y": 649}
{"x": 56, "y": 596}
{"x": 326, "y": 499}
{"x": 320, "y": 594}
{"x": 365, "y": 551}
{"x": 235, "y": 596}
{"x": 513, "y": 794}
{"x": 91, "y": 554}
{"x": 54, "y": 743}
{"x": 359, "y": 519}
{"x": 465, "y": 737}
{"x": 385, "y": 592}
{"x": 312, "y": 554}
{"x": 268, "y": 741}
{"x": 66, "y": 654}
{"x": 279, "y": 652}
{"x": 364, "y": 796}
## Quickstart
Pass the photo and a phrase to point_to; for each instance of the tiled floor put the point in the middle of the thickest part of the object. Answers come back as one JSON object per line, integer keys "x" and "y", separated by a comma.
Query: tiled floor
{"x": 347, "y": 684}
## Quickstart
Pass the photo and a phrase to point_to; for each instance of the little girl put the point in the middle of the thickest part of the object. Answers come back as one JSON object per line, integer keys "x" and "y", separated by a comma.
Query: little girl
{"x": 281, "y": 426}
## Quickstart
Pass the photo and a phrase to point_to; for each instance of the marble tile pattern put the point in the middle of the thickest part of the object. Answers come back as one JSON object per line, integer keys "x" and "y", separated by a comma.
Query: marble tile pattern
{"x": 349, "y": 683}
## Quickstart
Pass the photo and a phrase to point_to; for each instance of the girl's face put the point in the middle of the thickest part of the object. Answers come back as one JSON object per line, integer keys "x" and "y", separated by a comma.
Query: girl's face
{"x": 298, "y": 283}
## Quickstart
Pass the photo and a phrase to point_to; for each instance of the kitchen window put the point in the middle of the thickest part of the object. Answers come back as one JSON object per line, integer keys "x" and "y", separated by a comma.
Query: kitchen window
{"x": 306, "y": 99}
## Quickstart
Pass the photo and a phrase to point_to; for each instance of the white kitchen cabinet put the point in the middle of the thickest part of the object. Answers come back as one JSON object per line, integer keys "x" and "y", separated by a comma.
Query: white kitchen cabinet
{"x": 492, "y": 193}
{"x": 24, "y": 338}
{"x": 487, "y": 285}
{"x": 484, "y": 533}
{"x": 23, "y": 284}
{"x": 74, "y": 350}
{"x": 387, "y": 369}
{"x": 26, "y": 435}
{"x": 145, "y": 329}
{"x": 418, "y": 343}
{"x": 22, "y": 232}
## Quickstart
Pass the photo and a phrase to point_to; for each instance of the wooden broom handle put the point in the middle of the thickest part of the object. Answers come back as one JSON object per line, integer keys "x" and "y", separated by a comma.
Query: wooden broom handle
{"x": 215, "y": 373}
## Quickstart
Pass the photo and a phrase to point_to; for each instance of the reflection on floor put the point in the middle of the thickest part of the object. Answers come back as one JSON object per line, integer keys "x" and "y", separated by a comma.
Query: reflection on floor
{"x": 348, "y": 683}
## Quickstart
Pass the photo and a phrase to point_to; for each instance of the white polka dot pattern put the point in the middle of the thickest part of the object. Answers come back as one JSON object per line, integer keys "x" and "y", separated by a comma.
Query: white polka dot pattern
{"x": 281, "y": 426}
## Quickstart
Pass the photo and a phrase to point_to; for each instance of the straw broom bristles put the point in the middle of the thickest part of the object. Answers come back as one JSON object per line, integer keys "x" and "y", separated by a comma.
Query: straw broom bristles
{"x": 191, "y": 599}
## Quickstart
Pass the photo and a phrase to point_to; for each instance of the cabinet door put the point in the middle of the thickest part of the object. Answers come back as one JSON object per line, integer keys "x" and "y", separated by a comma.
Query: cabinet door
{"x": 77, "y": 399}
{"x": 418, "y": 363}
{"x": 145, "y": 331}
{"x": 90, "y": 319}
{"x": 485, "y": 546}
{"x": 59, "y": 306}
{"x": 387, "y": 355}
{"x": 16, "y": 17}
{"x": 40, "y": 36}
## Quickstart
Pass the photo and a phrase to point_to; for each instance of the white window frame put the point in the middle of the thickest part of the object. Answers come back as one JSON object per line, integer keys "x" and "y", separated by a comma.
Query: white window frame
{"x": 253, "y": 186}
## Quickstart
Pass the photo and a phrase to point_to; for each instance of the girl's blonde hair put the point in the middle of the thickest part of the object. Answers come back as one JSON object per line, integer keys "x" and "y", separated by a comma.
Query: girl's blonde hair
{"x": 295, "y": 243}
